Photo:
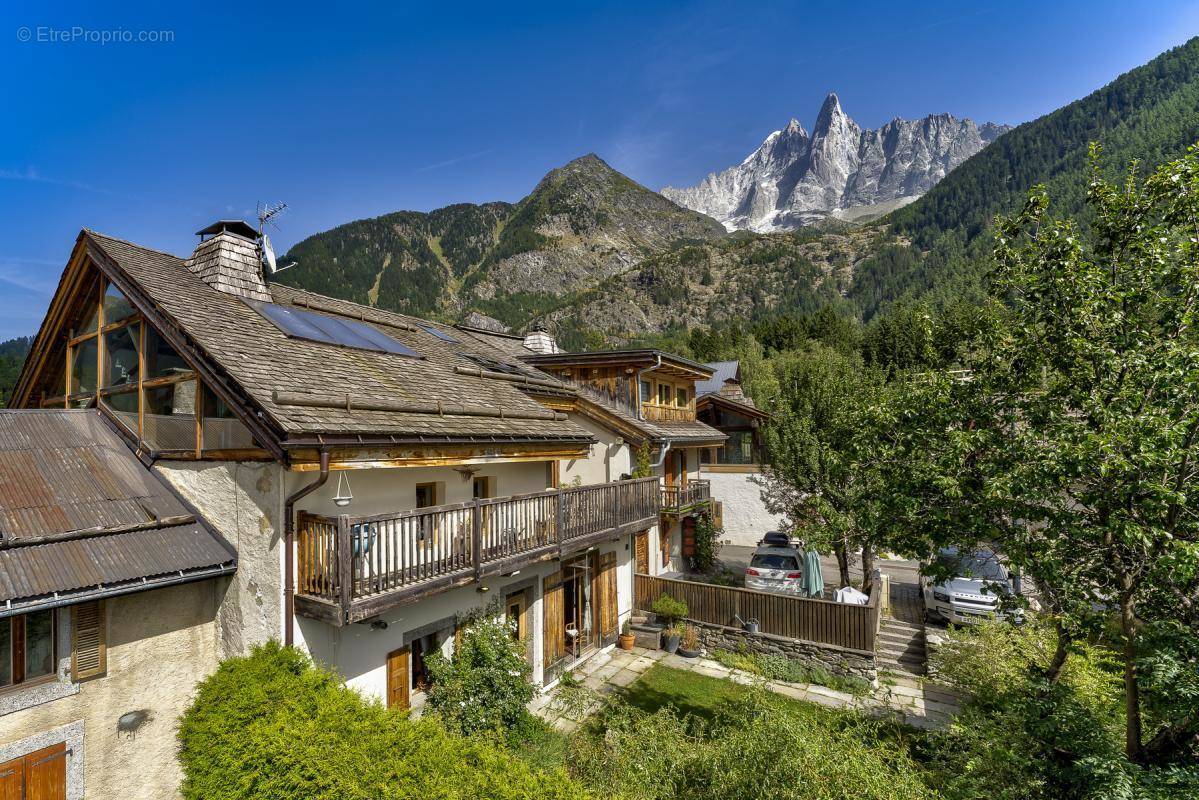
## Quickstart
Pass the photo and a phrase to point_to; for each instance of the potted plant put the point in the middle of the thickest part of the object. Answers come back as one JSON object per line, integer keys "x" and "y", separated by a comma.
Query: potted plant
{"x": 689, "y": 646}
{"x": 668, "y": 610}
{"x": 627, "y": 638}
{"x": 671, "y": 638}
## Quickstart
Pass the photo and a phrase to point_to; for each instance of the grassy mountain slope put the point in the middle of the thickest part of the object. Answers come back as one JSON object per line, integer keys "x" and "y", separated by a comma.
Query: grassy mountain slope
{"x": 1149, "y": 114}
{"x": 583, "y": 222}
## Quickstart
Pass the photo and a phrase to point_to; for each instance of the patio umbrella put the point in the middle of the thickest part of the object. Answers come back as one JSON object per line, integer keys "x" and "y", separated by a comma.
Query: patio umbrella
{"x": 813, "y": 580}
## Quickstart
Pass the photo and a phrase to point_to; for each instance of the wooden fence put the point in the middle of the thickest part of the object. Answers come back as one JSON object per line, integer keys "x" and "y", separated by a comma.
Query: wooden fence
{"x": 821, "y": 621}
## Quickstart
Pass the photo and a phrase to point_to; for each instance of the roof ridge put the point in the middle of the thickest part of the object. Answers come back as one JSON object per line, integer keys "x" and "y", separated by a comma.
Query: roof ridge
{"x": 96, "y": 233}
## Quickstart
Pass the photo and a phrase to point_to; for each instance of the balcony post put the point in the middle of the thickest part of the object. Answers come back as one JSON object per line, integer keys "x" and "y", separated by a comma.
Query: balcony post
{"x": 559, "y": 530}
{"x": 477, "y": 538}
{"x": 345, "y": 563}
{"x": 619, "y": 489}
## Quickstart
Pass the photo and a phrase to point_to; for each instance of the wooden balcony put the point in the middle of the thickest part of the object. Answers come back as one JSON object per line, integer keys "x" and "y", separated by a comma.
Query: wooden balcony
{"x": 353, "y": 567}
{"x": 677, "y": 499}
{"x": 659, "y": 412}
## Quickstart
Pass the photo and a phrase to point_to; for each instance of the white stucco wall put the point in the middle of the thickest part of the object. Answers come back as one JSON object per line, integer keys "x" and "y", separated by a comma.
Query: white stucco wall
{"x": 609, "y": 458}
{"x": 160, "y": 644}
{"x": 745, "y": 515}
{"x": 244, "y": 502}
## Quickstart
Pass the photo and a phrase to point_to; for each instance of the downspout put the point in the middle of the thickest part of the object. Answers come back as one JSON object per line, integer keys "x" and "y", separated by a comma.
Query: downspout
{"x": 662, "y": 454}
{"x": 640, "y": 399}
{"x": 289, "y": 557}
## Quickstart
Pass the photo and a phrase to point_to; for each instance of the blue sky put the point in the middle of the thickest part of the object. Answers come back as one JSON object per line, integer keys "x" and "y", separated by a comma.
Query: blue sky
{"x": 346, "y": 112}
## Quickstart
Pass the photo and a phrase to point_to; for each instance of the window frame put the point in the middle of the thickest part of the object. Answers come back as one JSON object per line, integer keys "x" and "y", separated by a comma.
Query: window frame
{"x": 18, "y": 643}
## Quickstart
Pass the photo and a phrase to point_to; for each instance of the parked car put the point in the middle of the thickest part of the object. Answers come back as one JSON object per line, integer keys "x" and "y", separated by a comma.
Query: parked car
{"x": 775, "y": 569}
{"x": 978, "y": 582}
{"x": 775, "y": 539}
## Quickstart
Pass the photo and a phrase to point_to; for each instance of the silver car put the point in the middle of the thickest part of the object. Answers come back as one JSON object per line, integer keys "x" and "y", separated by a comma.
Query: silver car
{"x": 973, "y": 592}
{"x": 775, "y": 569}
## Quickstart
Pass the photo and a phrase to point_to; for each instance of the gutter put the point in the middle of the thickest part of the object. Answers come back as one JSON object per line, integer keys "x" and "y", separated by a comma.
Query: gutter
{"x": 662, "y": 454}
{"x": 640, "y": 399}
{"x": 289, "y": 555}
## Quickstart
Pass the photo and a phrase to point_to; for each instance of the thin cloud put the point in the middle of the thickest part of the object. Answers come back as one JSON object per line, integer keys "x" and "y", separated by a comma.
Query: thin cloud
{"x": 451, "y": 162}
{"x": 31, "y": 175}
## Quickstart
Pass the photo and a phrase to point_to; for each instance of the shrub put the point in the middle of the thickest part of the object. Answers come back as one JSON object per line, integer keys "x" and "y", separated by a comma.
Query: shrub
{"x": 271, "y": 726}
{"x": 754, "y": 750}
{"x": 485, "y": 685}
{"x": 669, "y": 609}
{"x": 707, "y": 544}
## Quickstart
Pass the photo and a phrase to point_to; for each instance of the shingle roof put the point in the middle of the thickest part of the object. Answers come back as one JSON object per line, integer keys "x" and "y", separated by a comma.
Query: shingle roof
{"x": 81, "y": 516}
{"x": 694, "y": 432}
{"x": 261, "y": 360}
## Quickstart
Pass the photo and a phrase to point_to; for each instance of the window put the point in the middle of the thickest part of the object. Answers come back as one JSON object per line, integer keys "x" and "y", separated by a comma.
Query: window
{"x": 121, "y": 350}
{"x": 491, "y": 364}
{"x": 483, "y": 488}
{"x": 169, "y": 416}
{"x": 220, "y": 429}
{"x": 26, "y": 647}
{"x": 774, "y": 561}
{"x": 116, "y": 307}
{"x": 426, "y": 495}
{"x": 663, "y": 394}
{"x": 84, "y": 366}
{"x": 330, "y": 330}
{"x": 161, "y": 359}
{"x": 680, "y": 398}
{"x": 647, "y": 392}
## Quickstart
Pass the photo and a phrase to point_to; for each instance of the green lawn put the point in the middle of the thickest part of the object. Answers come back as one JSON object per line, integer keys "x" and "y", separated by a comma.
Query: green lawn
{"x": 692, "y": 693}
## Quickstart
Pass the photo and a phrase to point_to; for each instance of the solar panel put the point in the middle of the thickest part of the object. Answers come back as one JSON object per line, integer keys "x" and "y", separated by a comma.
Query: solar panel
{"x": 330, "y": 330}
{"x": 442, "y": 335}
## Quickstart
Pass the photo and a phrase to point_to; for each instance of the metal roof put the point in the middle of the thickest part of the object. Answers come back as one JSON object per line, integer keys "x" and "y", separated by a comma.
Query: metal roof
{"x": 81, "y": 516}
{"x": 721, "y": 371}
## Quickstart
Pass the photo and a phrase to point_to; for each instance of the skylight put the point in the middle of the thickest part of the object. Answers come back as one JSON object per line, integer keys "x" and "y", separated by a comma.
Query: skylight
{"x": 442, "y": 335}
{"x": 330, "y": 330}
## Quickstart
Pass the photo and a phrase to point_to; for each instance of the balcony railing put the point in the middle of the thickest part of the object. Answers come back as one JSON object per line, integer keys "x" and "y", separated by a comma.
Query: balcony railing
{"x": 681, "y": 498}
{"x": 358, "y": 565}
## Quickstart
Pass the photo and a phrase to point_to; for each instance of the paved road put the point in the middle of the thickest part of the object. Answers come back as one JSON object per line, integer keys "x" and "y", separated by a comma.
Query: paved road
{"x": 736, "y": 558}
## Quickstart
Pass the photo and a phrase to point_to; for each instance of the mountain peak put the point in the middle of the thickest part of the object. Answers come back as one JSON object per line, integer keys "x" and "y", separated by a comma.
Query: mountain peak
{"x": 830, "y": 112}
{"x": 793, "y": 127}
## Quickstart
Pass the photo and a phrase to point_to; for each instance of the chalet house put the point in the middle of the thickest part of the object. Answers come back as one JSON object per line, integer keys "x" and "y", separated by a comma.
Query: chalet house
{"x": 110, "y": 585}
{"x": 723, "y": 405}
{"x": 377, "y": 475}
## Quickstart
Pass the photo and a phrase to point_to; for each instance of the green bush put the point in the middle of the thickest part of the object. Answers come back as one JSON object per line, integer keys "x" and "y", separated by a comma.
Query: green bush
{"x": 707, "y": 544}
{"x": 271, "y": 726}
{"x": 669, "y": 608}
{"x": 485, "y": 685}
{"x": 753, "y": 750}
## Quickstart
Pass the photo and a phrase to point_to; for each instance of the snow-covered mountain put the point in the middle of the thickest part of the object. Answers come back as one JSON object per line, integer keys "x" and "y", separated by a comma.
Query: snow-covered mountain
{"x": 839, "y": 170}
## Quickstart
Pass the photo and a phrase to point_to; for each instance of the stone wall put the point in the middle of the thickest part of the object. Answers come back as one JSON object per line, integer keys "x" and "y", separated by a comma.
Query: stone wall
{"x": 838, "y": 660}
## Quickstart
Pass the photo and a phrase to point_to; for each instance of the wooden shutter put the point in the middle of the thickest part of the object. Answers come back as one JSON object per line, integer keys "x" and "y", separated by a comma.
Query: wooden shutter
{"x": 664, "y": 545}
{"x": 12, "y": 780}
{"x": 641, "y": 552}
{"x": 89, "y": 651}
{"x": 397, "y": 678}
{"x": 554, "y": 628}
{"x": 46, "y": 773}
{"x": 607, "y": 595}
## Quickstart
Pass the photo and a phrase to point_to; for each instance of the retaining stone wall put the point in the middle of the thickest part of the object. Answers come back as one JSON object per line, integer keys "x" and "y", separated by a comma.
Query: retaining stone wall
{"x": 838, "y": 660}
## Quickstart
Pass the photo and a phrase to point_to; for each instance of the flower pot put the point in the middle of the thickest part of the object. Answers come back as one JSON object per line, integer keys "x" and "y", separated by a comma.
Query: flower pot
{"x": 625, "y": 641}
{"x": 685, "y": 653}
{"x": 670, "y": 643}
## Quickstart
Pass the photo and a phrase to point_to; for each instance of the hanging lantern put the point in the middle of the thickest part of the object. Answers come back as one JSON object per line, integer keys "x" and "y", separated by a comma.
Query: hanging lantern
{"x": 344, "y": 495}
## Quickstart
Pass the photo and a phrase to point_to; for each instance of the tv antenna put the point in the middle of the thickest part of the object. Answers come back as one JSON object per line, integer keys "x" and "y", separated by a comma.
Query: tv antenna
{"x": 266, "y": 215}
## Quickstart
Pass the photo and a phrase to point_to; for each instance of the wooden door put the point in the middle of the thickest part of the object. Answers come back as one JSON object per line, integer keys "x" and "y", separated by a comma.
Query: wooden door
{"x": 46, "y": 774}
{"x": 41, "y": 775}
{"x": 554, "y": 626}
{"x": 664, "y": 544}
{"x": 641, "y": 553}
{"x": 397, "y": 678}
{"x": 607, "y": 596}
{"x": 681, "y": 457}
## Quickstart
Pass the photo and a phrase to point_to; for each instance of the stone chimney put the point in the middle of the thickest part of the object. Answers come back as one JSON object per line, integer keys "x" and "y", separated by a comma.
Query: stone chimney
{"x": 538, "y": 339}
{"x": 227, "y": 259}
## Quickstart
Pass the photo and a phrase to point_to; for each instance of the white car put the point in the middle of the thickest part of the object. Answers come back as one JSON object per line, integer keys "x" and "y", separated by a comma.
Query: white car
{"x": 775, "y": 569}
{"x": 978, "y": 581}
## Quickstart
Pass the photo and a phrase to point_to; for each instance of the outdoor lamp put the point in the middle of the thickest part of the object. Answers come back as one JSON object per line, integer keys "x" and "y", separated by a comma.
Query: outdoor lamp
{"x": 344, "y": 494}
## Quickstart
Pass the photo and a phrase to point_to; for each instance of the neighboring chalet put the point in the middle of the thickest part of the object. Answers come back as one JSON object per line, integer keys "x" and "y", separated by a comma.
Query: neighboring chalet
{"x": 722, "y": 404}
{"x": 377, "y": 475}
{"x": 110, "y": 586}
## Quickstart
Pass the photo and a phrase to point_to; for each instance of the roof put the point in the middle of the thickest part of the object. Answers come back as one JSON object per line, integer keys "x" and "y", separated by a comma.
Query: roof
{"x": 262, "y": 361}
{"x": 238, "y": 226}
{"x": 694, "y": 432}
{"x": 638, "y": 356}
{"x": 722, "y": 371}
{"x": 741, "y": 406}
{"x": 81, "y": 516}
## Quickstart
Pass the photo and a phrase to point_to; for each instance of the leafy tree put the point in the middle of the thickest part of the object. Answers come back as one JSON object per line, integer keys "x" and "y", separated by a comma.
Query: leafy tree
{"x": 812, "y": 441}
{"x": 643, "y": 467}
{"x": 271, "y": 726}
{"x": 485, "y": 685}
